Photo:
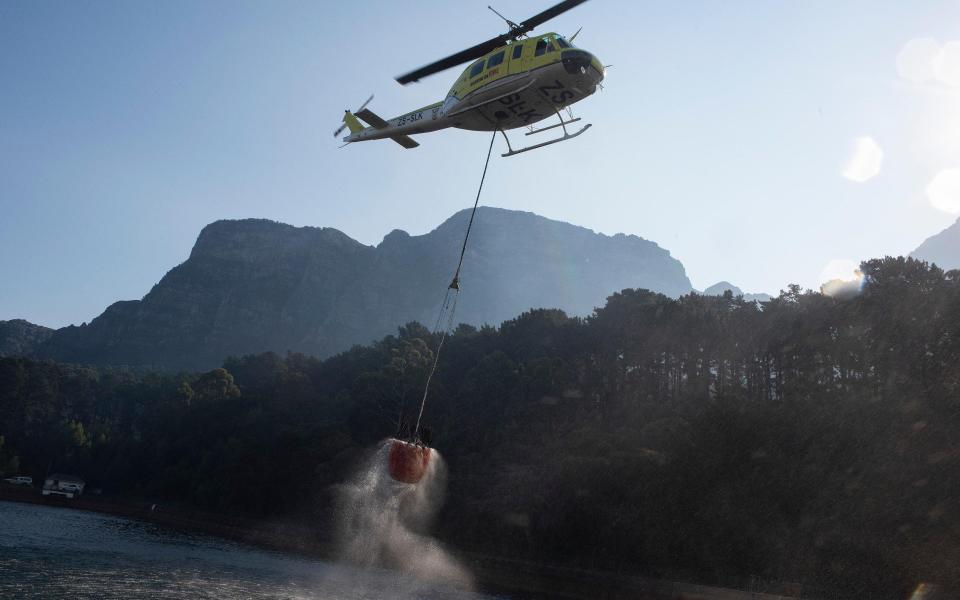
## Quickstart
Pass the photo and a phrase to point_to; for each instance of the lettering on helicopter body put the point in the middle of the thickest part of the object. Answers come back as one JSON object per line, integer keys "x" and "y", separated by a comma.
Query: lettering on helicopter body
{"x": 485, "y": 76}
{"x": 409, "y": 118}
{"x": 562, "y": 94}
{"x": 518, "y": 107}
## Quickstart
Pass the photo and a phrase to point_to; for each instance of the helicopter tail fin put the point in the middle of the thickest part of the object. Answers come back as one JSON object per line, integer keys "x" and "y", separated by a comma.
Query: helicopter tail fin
{"x": 352, "y": 122}
{"x": 349, "y": 120}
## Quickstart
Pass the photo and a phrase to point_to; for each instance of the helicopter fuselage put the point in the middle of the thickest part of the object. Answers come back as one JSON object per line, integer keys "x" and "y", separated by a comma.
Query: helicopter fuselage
{"x": 515, "y": 85}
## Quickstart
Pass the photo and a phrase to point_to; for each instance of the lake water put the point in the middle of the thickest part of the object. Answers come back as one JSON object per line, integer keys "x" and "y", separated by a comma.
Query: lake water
{"x": 50, "y": 552}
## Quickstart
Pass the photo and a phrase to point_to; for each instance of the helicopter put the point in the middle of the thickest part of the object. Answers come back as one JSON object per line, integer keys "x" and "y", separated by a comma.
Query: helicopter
{"x": 514, "y": 81}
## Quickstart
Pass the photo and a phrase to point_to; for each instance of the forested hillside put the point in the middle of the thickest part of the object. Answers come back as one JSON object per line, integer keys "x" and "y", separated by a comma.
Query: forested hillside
{"x": 804, "y": 439}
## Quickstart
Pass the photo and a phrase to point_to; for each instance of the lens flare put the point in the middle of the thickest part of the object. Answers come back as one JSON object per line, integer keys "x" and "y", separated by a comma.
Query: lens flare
{"x": 843, "y": 269}
{"x": 946, "y": 64}
{"x": 865, "y": 160}
{"x": 943, "y": 191}
{"x": 915, "y": 60}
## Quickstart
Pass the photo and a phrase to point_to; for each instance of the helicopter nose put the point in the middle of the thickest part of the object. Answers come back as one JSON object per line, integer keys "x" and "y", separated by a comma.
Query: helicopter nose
{"x": 583, "y": 63}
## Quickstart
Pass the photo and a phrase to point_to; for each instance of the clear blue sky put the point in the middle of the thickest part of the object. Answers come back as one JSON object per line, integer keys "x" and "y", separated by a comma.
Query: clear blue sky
{"x": 722, "y": 133}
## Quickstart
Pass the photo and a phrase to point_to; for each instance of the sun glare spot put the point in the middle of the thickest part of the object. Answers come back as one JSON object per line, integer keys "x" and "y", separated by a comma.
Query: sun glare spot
{"x": 842, "y": 269}
{"x": 841, "y": 278}
{"x": 916, "y": 59}
{"x": 943, "y": 191}
{"x": 865, "y": 160}
{"x": 946, "y": 64}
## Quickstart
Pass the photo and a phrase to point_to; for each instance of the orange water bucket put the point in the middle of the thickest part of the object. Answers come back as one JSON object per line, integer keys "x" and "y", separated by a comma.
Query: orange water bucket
{"x": 408, "y": 462}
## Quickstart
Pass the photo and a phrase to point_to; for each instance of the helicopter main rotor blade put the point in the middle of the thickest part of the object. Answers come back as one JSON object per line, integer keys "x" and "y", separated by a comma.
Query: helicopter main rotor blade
{"x": 455, "y": 59}
{"x": 548, "y": 14}
{"x": 482, "y": 48}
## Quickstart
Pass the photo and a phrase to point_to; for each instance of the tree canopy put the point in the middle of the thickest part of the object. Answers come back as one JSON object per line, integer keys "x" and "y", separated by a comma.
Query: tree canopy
{"x": 807, "y": 439}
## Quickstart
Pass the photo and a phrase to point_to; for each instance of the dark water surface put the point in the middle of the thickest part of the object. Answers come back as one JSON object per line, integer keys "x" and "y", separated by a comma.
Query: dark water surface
{"x": 50, "y": 552}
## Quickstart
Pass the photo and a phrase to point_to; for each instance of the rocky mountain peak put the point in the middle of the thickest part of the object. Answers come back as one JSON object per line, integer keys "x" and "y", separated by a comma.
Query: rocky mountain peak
{"x": 20, "y": 338}
{"x": 254, "y": 285}
{"x": 942, "y": 249}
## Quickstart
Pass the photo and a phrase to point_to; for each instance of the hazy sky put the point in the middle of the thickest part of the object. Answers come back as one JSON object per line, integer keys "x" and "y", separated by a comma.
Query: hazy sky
{"x": 756, "y": 141}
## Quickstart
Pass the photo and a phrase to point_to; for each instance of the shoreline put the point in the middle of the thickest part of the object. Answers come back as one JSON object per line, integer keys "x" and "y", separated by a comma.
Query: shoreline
{"x": 276, "y": 536}
{"x": 520, "y": 580}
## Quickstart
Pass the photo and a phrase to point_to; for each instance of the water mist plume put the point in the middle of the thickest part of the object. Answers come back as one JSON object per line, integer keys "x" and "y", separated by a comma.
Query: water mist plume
{"x": 383, "y": 523}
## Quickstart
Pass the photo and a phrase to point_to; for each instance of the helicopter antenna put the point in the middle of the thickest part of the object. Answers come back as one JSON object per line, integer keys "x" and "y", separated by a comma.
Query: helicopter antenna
{"x": 574, "y": 36}
{"x": 510, "y": 23}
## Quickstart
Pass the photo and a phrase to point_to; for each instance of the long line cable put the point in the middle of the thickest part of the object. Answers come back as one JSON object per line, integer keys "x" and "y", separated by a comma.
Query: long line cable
{"x": 455, "y": 287}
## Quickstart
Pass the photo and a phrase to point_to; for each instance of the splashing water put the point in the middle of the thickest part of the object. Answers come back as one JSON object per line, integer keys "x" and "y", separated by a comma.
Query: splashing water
{"x": 57, "y": 552}
{"x": 384, "y": 523}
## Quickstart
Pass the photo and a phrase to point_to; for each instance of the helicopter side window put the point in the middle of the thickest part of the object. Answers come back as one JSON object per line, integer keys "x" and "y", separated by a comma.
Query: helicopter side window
{"x": 476, "y": 69}
{"x": 496, "y": 59}
{"x": 543, "y": 45}
{"x": 517, "y": 51}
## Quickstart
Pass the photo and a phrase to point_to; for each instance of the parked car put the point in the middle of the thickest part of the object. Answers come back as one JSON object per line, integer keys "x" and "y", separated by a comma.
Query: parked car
{"x": 58, "y": 484}
{"x": 20, "y": 480}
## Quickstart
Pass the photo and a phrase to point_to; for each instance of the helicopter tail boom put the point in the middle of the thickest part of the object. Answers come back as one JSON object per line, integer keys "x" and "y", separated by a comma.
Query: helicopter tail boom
{"x": 379, "y": 129}
{"x": 351, "y": 122}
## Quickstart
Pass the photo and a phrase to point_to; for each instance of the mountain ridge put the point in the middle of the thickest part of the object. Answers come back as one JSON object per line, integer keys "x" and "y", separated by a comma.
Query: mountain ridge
{"x": 942, "y": 249}
{"x": 719, "y": 288}
{"x": 253, "y": 285}
{"x": 19, "y": 337}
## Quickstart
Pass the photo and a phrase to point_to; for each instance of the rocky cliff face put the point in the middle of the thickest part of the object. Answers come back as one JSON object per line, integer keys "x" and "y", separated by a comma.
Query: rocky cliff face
{"x": 21, "y": 338}
{"x": 942, "y": 249}
{"x": 255, "y": 285}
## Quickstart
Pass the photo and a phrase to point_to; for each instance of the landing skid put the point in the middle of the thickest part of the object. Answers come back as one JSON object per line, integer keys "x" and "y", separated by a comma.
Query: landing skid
{"x": 566, "y": 136}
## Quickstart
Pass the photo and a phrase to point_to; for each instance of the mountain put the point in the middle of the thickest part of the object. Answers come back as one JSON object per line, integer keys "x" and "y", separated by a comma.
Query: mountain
{"x": 21, "y": 338}
{"x": 256, "y": 285}
{"x": 718, "y": 289}
{"x": 943, "y": 249}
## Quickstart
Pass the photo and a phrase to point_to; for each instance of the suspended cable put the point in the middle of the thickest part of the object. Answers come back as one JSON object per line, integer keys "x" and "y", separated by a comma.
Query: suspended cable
{"x": 455, "y": 286}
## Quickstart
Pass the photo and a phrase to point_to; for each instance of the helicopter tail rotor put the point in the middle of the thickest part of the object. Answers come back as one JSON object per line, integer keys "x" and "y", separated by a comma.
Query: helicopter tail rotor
{"x": 351, "y": 121}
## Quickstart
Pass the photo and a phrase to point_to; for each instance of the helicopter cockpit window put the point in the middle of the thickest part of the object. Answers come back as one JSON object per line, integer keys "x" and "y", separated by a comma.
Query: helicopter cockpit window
{"x": 496, "y": 59}
{"x": 562, "y": 42}
{"x": 517, "y": 50}
{"x": 543, "y": 45}
{"x": 476, "y": 69}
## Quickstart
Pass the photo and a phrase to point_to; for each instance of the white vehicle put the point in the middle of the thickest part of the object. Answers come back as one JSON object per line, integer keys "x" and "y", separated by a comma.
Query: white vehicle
{"x": 58, "y": 484}
{"x": 20, "y": 480}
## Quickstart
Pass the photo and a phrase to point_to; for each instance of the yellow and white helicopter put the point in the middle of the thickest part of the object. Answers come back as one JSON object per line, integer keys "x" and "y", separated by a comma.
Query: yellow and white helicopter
{"x": 516, "y": 81}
